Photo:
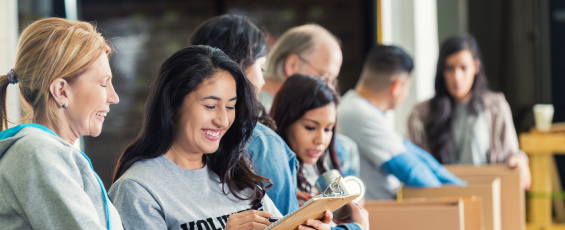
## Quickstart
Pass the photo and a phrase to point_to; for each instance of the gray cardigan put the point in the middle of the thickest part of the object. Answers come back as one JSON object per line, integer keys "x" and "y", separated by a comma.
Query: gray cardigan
{"x": 503, "y": 141}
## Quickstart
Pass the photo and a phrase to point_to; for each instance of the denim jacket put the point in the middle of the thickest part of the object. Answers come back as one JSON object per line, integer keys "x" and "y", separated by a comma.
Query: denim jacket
{"x": 348, "y": 154}
{"x": 273, "y": 159}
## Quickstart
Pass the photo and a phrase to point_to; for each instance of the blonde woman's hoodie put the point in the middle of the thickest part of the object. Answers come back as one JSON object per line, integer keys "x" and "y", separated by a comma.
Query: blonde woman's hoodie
{"x": 45, "y": 183}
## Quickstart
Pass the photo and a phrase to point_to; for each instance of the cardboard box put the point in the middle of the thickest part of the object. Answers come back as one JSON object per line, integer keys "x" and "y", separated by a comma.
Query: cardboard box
{"x": 473, "y": 212}
{"x": 486, "y": 187}
{"x": 512, "y": 200}
{"x": 418, "y": 214}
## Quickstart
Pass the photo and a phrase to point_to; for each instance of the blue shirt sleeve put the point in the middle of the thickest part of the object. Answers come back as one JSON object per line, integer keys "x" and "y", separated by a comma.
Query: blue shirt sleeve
{"x": 409, "y": 169}
{"x": 441, "y": 173}
{"x": 273, "y": 159}
{"x": 417, "y": 168}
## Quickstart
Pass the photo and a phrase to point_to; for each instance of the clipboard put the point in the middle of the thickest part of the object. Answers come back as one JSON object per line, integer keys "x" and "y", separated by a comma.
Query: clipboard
{"x": 312, "y": 209}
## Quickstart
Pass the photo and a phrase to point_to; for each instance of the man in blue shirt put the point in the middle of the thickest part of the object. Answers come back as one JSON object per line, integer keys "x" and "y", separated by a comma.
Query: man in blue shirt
{"x": 387, "y": 159}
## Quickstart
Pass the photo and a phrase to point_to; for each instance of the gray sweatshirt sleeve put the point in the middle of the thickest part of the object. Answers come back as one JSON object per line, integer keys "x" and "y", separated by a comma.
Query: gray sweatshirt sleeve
{"x": 47, "y": 188}
{"x": 270, "y": 207}
{"x": 137, "y": 206}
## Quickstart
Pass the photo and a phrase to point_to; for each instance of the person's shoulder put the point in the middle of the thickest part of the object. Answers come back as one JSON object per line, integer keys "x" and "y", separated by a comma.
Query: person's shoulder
{"x": 265, "y": 141}
{"x": 34, "y": 139}
{"x": 345, "y": 140}
{"x": 494, "y": 96}
{"x": 263, "y": 133}
{"x": 141, "y": 177}
{"x": 423, "y": 106}
{"x": 143, "y": 171}
{"x": 38, "y": 150}
{"x": 261, "y": 129}
{"x": 494, "y": 100}
{"x": 353, "y": 106}
{"x": 39, "y": 144}
{"x": 349, "y": 98}
{"x": 129, "y": 188}
{"x": 127, "y": 182}
{"x": 421, "y": 110}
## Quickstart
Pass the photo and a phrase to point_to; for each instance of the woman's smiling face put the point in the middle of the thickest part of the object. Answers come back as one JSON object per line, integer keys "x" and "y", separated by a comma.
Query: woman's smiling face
{"x": 206, "y": 114}
{"x": 92, "y": 94}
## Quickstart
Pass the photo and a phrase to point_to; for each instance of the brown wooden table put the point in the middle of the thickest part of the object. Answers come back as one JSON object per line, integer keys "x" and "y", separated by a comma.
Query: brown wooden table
{"x": 540, "y": 147}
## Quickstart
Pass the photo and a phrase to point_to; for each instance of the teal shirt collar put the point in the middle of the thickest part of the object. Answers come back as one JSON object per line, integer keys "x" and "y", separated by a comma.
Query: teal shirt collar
{"x": 14, "y": 130}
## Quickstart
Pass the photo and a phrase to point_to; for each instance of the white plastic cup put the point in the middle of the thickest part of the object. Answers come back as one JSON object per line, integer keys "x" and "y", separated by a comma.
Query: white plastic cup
{"x": 543, "y": 114}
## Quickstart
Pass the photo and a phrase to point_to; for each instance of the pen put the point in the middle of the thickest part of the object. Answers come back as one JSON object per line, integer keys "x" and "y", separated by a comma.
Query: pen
{"x": 271, "y": 219}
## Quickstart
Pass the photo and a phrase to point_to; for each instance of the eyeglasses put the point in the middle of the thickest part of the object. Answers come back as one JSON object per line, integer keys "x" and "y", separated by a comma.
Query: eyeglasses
{"x": 322, "y": 74}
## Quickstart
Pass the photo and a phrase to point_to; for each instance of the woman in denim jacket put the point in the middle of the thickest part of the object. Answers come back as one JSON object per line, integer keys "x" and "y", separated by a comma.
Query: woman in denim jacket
{"x": 305, "y": 110}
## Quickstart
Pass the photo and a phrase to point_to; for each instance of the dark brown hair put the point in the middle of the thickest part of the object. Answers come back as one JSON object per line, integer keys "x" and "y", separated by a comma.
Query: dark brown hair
{"x": 298, "y": 95}
{"x": 180, "y": 75}
{"x": 240, "y": 39}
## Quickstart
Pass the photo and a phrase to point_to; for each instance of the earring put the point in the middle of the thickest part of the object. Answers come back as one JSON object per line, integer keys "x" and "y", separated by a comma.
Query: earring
{"x": 64, "y": 106}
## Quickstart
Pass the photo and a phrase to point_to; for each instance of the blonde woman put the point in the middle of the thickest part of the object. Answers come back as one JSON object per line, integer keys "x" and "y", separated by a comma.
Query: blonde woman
{"x": 64, "y": 77}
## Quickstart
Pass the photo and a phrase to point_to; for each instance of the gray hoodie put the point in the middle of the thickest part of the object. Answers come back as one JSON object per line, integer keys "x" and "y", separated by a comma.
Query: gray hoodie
{"x": 45, "y": 183}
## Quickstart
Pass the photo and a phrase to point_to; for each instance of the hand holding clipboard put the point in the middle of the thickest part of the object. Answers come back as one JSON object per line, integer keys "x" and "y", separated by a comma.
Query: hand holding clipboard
{"x": 315, "y": 208}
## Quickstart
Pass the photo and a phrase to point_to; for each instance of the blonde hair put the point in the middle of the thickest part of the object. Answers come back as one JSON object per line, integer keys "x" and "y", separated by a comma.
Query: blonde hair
{"x": 298, "y": 40}
{"x": 48, "y": 49}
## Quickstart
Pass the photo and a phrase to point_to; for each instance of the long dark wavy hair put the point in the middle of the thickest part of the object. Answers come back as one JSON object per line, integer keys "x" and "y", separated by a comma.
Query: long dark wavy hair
{"x": 180, "y": 75}
{"x": 438, "y": 125}
{"x": 240, "y": 39}
{"x": 298, "y": 95}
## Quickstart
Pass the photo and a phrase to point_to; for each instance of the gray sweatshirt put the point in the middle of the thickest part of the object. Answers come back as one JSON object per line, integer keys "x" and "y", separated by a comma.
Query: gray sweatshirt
{"x": 158, "y": 194}
{"x": 45, "y": 183}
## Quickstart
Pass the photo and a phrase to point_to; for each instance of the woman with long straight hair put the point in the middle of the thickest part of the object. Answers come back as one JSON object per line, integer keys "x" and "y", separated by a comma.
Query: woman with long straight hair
{"x": 465, "y": 122}
{"x": 305, "y": 111}
{"x": 240, "y": 39}
{"x": 65, "y": 84}
{"x": 299, "y": 108}
{"x": 188, "y": 168}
